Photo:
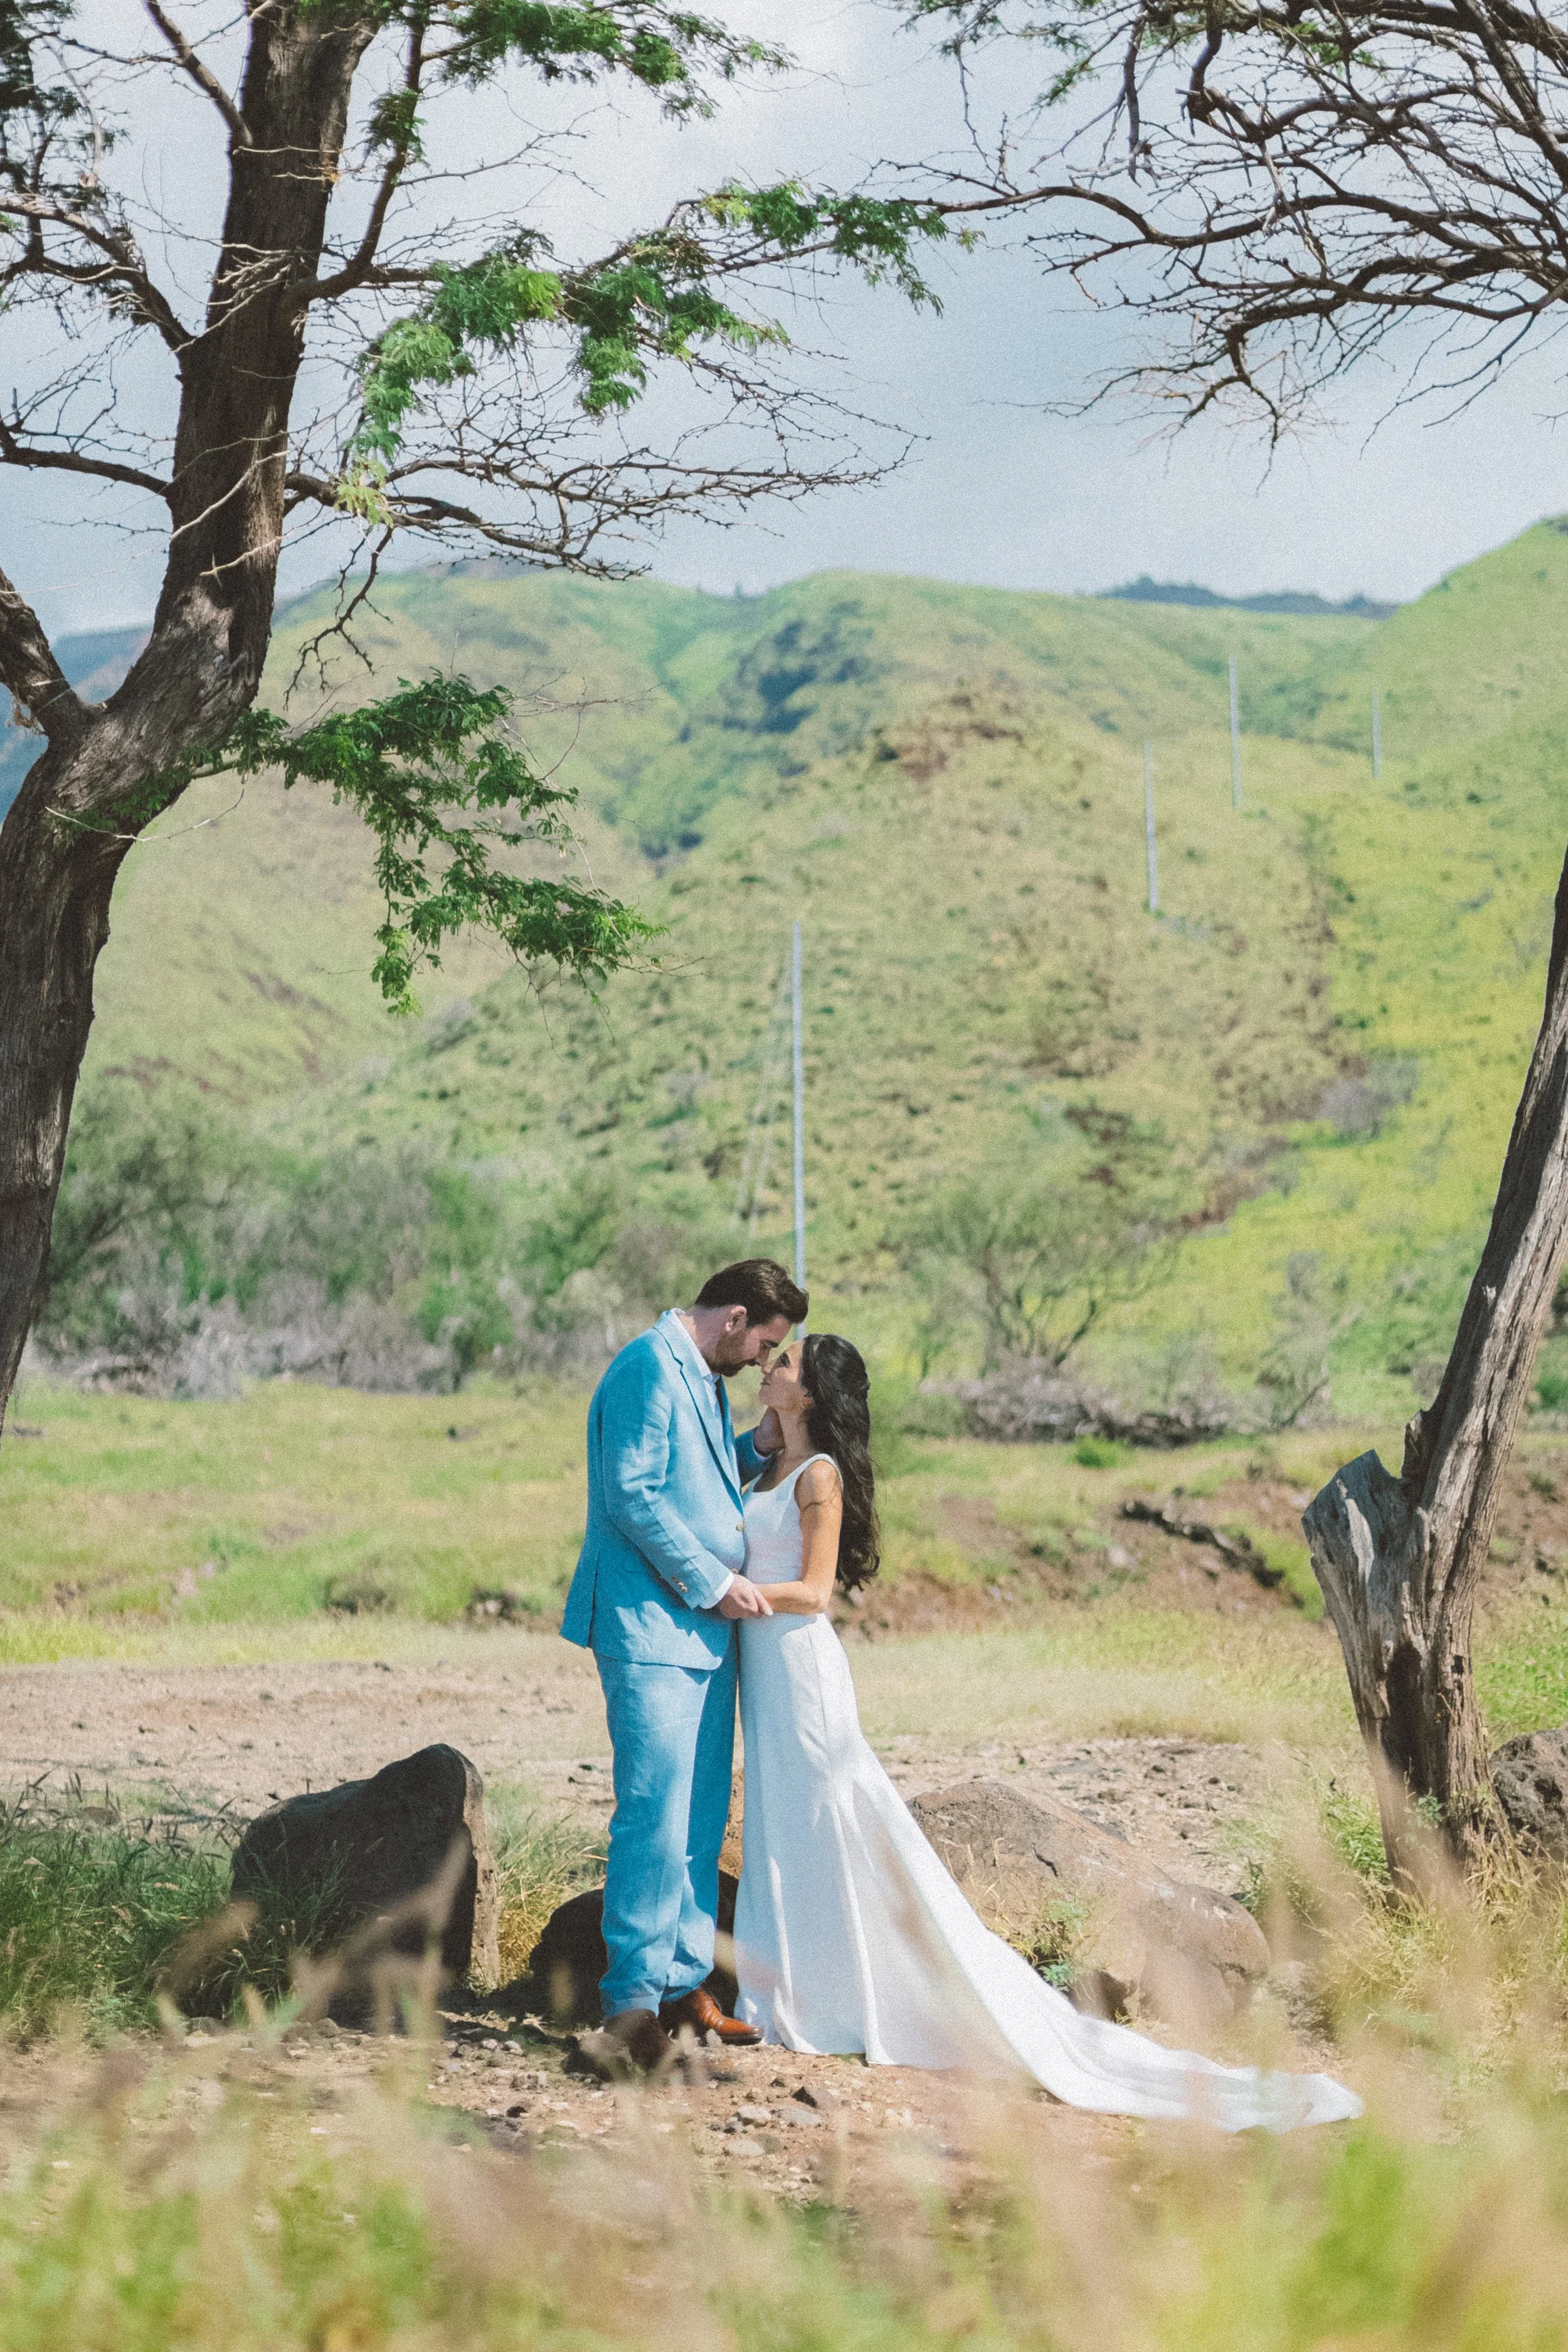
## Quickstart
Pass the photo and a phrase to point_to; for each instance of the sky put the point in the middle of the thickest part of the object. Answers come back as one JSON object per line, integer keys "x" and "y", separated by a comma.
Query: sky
{"x": 999, "y": 489}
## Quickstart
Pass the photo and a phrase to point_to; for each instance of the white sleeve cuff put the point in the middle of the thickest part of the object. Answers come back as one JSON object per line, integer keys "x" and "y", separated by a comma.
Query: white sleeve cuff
{"x": 724, "y": 1588}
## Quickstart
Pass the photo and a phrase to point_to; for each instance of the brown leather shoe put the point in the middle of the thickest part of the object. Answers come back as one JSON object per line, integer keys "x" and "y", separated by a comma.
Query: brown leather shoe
{"x": 630, "y": 2044}
{"x": 702, "y": 2014}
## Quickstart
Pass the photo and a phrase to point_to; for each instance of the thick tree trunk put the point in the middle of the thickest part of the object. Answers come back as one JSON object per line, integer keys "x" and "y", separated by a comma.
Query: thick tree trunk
{"x": 54, "y": 920}
{"x": 1398, "y": 1559}
{"x": 106, "y": 772}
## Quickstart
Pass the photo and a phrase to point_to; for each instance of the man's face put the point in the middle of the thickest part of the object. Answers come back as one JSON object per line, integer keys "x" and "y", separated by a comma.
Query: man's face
{"x": 742, "y": 1343}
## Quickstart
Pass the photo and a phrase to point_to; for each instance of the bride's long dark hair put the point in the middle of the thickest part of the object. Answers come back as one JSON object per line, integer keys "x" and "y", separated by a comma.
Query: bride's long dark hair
{"x": 839, "y": 1423}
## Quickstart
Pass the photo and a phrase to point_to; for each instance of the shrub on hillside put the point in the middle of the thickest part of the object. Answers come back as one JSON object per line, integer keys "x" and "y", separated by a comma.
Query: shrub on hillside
{"x": 190, "y": 1258}
{"x": 1031, "y": 1256}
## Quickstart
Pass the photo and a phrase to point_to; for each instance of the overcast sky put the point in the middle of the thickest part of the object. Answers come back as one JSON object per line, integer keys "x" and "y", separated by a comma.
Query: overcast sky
{"x": 999, "y": 490}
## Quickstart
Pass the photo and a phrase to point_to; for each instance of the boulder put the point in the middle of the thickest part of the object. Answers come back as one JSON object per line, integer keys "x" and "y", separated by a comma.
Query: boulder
{"x": 1529, "y": 1777}
{"x": 381, "y": 1870}
{"x": 1192, "y": 1955}
{"x": 562, "y": 1978}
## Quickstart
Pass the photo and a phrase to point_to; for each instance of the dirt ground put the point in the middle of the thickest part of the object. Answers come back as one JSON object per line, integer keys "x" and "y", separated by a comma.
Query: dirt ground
{"x": 214, "y": 1745}
{"x": 218, "y": 1744}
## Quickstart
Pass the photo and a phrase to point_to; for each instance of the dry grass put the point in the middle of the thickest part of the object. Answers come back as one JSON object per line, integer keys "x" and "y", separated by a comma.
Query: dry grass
{"x": 540, "y": 1859}
{"x": 167, "y": 2203}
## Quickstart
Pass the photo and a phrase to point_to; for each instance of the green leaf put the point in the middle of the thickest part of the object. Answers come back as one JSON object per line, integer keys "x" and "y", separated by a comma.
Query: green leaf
{"x": 414, "y": 765}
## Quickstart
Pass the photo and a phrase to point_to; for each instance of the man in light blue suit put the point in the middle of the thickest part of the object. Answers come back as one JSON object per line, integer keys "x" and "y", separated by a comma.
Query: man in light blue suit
{"x": 657, "y": 1589}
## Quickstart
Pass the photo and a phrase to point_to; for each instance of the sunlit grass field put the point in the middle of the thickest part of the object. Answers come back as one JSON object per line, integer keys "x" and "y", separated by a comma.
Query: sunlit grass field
{"x": 293, "y": 1499}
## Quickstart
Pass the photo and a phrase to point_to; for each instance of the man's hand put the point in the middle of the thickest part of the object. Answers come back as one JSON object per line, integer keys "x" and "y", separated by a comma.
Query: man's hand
{"x": 745, "y": 1599}
{"x": 768, "y": 1436}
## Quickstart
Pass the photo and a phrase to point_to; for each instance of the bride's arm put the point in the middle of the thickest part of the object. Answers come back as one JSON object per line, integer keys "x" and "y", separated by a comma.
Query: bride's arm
{"x": 819, "y": 1498}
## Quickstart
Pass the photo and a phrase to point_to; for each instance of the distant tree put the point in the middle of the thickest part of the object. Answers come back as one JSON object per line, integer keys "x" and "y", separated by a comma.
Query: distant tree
{"x": 373, "y": 341}
{"x": 1282, "y": 189}
{"x": 1038, "y": 1252}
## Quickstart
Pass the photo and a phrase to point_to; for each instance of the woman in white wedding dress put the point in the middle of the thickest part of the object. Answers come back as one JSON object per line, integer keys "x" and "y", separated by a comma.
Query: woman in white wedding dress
{"x": 849, "y": 1934}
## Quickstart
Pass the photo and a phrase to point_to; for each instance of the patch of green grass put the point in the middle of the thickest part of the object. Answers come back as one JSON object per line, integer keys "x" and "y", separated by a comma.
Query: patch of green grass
{"x": 89, "y": 1917}
{"x": 1115, "y": 1670}
{"x": 269, "y": 1506}
{"x": 1101, "y": 1453}
{"x": 104, "y": 1925}
{"x": 1290, "y": 1558}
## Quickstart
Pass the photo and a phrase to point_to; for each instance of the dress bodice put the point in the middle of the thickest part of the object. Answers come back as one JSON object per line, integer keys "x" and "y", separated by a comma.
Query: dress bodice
{"x": 775, "y": 1544}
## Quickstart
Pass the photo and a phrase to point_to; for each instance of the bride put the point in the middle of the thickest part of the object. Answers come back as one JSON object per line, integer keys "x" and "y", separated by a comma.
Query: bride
{"x": 849, "y": 1934}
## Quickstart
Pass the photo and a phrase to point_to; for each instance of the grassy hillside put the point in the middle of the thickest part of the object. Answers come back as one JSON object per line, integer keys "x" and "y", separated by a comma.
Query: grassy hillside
{"x": 946, "y": 785}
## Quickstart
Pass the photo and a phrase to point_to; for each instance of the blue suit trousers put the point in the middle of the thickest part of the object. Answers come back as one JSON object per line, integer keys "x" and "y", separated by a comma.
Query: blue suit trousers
{"x": 672, "y": 1729}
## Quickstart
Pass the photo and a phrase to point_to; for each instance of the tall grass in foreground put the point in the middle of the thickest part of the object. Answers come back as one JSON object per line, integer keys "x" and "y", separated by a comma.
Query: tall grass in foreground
{"x": 172, "y": 2209}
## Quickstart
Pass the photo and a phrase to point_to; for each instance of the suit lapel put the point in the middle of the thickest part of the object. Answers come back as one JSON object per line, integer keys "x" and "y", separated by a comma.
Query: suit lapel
{"x": 723, "y": 1453}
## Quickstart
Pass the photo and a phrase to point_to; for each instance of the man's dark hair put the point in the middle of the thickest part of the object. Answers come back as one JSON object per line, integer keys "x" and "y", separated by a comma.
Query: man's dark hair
{"x": 761, "y": 1286}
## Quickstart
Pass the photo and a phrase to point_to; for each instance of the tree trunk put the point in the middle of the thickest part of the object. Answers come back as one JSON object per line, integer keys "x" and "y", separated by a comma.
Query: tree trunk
{"x": 54, "y": 920}
{"x": 106, "y": 772}
{"x": 1398, "y": 1559}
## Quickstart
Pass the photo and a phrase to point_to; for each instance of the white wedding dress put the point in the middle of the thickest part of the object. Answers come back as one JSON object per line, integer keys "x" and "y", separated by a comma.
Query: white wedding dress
{"x": 850, "y": 1935}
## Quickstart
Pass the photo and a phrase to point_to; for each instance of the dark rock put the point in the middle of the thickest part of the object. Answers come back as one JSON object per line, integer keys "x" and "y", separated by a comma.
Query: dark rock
{"x": 1529, "y": 1777}
{"x": 1189, "y": 1953}
{"x": 381, "y": 1870}
{"x": 562, "y": 1978}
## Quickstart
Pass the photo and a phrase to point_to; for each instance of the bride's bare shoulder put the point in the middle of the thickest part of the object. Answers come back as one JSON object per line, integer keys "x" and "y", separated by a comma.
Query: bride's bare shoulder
{"x": 818, "y": 1482}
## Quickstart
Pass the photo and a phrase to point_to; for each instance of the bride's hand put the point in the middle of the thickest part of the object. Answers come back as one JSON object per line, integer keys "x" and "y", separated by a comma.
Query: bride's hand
{"x": 768, "y": 1436}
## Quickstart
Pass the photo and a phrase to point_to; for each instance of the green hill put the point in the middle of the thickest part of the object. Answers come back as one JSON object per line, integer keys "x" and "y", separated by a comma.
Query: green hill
{"x": 945, "y": 785}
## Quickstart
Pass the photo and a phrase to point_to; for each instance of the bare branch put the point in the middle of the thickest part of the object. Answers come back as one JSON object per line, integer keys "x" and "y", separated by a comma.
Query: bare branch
{"x": 75, "y": 461}
{"x": 122, "y": 266}
{"x": 202, "y": 74}
{"x": 355, "y": 271}
{"x": 27, "y": 665}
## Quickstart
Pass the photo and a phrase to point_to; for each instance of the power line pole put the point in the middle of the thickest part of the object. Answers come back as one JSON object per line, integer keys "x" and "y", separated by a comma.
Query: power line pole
{"x": 1149, "y": 829}
{"x": 1376, "y": 735}
{"x": 1235, "y": 738}
{"x": 799, "y": 1112}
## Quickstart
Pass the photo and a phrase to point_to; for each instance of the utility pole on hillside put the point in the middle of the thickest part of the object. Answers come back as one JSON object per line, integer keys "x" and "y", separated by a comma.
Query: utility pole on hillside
{"x": 797, "y": 1040}
{"x": 1235, "y": 736}
{"x": 1149, "y": 827}
{"x": 1376, "y": 735}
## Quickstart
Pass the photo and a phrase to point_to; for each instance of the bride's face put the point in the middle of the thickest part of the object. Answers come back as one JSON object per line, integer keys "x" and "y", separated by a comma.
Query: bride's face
{"x": 782, "y": 1387}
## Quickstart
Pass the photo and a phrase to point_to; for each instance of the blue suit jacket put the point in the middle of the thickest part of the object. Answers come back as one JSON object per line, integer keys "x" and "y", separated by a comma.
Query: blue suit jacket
{"x": 665, "y": 1526}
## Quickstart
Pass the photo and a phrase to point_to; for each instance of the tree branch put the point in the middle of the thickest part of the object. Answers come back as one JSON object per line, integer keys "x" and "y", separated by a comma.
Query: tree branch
{"x": 71, "y": 461}
{"x": 357, "y": 270}
{"x": 27, "y": 665}
{"x": 202, "y": 74}
{"x": 121, "y": 268}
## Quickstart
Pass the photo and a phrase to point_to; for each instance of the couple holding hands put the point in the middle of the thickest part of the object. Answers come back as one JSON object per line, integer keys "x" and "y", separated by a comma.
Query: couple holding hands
{"x": 711, "y": 1560}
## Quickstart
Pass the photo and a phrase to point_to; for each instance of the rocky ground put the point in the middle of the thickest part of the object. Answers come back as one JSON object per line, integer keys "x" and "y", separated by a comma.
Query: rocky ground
{"x": 211, "y": 1745}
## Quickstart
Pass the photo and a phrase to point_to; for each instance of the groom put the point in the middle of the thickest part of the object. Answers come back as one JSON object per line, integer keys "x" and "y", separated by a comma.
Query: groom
{"x": 656, "y": 1593}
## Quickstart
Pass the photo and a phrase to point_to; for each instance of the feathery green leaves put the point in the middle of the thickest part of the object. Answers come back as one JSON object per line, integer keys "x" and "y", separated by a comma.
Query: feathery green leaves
{"x": 413, "y": 765}
{"x": 654, "y": 300}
